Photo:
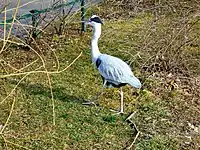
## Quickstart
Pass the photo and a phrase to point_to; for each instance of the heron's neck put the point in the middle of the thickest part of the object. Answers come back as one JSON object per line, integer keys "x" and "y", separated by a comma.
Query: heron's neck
{"x": 94, "y": 43}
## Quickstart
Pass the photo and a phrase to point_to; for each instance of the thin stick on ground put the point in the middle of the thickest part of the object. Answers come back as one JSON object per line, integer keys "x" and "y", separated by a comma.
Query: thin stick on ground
{"x": 52, "y": 98}
{"x": 6, "y": 145}
{"x": 14, "y": 89}
{"x": 11, "y": 110}
{"x": 138, "y": 132}
{"x": 134, "y": 127}
{"x": 15, "y": 69}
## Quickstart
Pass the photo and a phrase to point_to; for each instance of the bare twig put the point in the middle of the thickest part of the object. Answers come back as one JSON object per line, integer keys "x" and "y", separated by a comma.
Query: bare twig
{"x": 34, "y": 72}
{"x": 6, "y": 145}
{"x": 11, "y": 26}
{"x": 58, "y": 64}
{"x": 14, "y": 88}
{"x": 11, "y": 111}
{"x": 133, "y": 126}
{"x": 134, "y": 140}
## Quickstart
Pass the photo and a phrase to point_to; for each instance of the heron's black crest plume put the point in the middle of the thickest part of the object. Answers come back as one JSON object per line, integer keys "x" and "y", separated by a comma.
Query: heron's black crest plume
{"x": 96, "y": 19}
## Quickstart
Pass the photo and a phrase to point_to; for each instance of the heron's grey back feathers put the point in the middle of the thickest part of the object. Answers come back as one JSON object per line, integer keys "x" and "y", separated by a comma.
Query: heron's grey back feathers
{"x": 116, "y": 71}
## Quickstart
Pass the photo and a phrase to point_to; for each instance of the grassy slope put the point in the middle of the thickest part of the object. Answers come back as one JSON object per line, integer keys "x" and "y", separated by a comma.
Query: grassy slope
{"x": 84, "y": 127}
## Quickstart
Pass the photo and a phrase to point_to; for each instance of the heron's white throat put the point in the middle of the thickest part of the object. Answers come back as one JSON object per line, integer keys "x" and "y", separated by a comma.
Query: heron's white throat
{"x": 94, "y": 42}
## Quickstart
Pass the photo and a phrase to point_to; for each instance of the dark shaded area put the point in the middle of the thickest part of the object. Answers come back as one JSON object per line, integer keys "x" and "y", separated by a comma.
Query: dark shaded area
{"x": 59, "y": 93}
{"x": 112, "y": 85}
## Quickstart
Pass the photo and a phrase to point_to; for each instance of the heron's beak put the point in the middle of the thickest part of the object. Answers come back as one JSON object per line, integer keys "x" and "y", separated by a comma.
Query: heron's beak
{"x": 87, "y": 22}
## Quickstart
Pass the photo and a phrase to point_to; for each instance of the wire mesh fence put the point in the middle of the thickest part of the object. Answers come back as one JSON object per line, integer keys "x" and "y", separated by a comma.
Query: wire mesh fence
{"x": 37, "y": 19}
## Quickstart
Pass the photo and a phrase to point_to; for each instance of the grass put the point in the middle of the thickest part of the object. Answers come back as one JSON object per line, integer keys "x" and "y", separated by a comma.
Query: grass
{"x": 162, "y": 114}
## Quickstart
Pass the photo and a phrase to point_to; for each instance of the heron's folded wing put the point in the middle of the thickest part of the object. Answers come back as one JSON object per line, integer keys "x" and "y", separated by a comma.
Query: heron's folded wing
{"x": 113, "y": 69}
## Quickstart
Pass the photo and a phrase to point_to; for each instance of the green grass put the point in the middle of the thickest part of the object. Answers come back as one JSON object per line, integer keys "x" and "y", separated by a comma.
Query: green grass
{"x": 157, "y": 143}
{"x": 88, "y": 127}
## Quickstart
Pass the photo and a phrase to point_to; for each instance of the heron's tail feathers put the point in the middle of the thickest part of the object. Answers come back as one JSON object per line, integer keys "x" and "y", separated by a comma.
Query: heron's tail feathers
{"x": 135, "y": 82}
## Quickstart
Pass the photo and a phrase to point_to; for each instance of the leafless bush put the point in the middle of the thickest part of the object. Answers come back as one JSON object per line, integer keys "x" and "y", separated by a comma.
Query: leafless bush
{"x": 59, "y": 20}
{"x": 168, "y": 43}
{"x": 19, "y": 65}
{"x": 127, "y": 8}
{"x": 171, "y": 29}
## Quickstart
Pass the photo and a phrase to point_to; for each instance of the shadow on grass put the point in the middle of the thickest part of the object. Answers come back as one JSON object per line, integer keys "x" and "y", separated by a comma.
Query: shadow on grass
{"x": 59, "y": 93}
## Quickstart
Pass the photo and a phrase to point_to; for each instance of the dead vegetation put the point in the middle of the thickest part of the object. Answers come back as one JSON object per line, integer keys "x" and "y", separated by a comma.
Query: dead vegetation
{"x": 168, "y": 44}
{"x": 159, "y": 39}
{"x": 168, "y": 51}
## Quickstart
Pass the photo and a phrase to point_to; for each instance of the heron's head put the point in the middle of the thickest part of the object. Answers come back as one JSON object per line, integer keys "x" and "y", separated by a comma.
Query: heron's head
{"x": 94, "y": 21}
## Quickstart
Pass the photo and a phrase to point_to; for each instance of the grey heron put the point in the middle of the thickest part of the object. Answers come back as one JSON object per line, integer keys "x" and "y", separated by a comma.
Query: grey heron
{"x": 114, "y": 71}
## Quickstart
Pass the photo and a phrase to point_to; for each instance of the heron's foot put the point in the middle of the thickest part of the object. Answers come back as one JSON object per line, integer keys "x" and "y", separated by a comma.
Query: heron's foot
{"x": 117, "y": 112}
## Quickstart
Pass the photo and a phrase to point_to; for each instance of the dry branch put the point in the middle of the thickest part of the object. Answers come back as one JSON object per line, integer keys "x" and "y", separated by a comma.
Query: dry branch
{"x": 11, "y": 26}
{"x": 134, "y": 127}
{"x": 34, "y": 72}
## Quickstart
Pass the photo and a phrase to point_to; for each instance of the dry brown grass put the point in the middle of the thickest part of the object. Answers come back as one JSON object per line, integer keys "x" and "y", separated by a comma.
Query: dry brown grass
{"x": 167, "y": 51}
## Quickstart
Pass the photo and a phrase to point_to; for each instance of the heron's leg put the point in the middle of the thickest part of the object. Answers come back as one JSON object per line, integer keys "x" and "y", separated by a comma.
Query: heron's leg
{"x": 97, "y": 96}
{"x": 121, "y": 102}
{"x": 101, "y": 92}
{"x": 121, "y": 111}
